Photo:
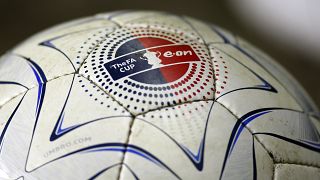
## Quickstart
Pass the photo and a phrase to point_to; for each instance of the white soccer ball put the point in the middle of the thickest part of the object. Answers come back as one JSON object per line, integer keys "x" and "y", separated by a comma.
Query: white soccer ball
{"x": 151, "y": 95}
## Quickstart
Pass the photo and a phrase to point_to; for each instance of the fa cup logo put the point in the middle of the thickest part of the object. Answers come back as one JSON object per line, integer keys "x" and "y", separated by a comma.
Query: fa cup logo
{"x": 152, "y": 58}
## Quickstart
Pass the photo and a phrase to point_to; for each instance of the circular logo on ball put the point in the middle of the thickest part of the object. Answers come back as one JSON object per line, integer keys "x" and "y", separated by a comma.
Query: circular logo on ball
{"x": 152, "y": 66}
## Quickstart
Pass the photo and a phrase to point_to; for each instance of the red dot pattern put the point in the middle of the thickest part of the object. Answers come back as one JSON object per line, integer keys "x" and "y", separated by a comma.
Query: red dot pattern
{"x": 197, "y": 83}
{"x": 220, "y": 70}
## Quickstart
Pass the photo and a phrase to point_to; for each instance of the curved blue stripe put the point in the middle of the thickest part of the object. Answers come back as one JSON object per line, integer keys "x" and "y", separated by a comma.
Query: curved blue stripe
{"x": 196, "y": 159}
{"x": 114, "y": 165}
{"x": 123, "y": 145}
{"x": 102, "y": 171}
{"x": 264, "y": 86}
{"x": 236, "y": 128}
{"x": 8, "y": 122}
{"x": 315, "y": 144}
{"x": 50, "y": 45}
{"x": 41, "y": 79}
{"x": 14, "y": 83}
{"x": 243, "y": 124}
{"x": 58, "y": 131}
{"x": 124, "y": 149}
{"x": 296, "y": 142}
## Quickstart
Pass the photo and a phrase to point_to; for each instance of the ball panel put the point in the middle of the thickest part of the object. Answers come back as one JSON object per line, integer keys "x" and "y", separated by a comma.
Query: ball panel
{"x": 205, "y": 31}
{"x": 227, "y": 36}
{"x": 238, "y": 78}
{"x": 109, "y": 172}
{"x": 276, "y": 128}
{"x": 194, "y": 28}
{"x": 178, "y": 146}
{"x": 296, "y": 172}
{"x": 285, "y": 122}
{"x": 82, "y": 24}
{"x": 42, "y": 56}
{"x": 17, "y": 137}
{"x": 185, "y": 123}
{"x": 9, "y": 92}
{"x": 68, "y": 44}
{"x": 16, "y": 77}
{"x": 264, "y": 163}
{"x": 63, "y": 118}
{"x": 69, "y": 118}
{"x": 79, "y": 165}
{"x": 286, "y": 150}
{"x": 110, "y": 15}
{"x": 76, "y": 46}
{"x": 283, "y": 76}
{"x": 6, "y": 112}
{"x": 127, "y": 17}
{"x": 241, "y": 158}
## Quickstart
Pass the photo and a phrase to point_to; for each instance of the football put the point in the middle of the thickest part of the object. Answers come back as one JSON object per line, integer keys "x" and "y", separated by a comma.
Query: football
{"x": 151, "y": 95}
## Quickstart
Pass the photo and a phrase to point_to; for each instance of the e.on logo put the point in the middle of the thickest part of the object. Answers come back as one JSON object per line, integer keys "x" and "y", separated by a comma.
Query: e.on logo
{"x": 177, "y": 53}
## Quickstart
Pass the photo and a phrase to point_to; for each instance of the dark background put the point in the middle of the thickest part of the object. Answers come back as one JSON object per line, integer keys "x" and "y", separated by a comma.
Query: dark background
{"x": 20, "y": 19}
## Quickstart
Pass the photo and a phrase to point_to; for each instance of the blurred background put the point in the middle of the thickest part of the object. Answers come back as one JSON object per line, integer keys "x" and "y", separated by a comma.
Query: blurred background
{"x": 287, "y": 30}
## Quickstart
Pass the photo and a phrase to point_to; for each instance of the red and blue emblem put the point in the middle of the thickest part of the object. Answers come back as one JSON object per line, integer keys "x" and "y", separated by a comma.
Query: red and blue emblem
{"x": 151, "y": 60}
